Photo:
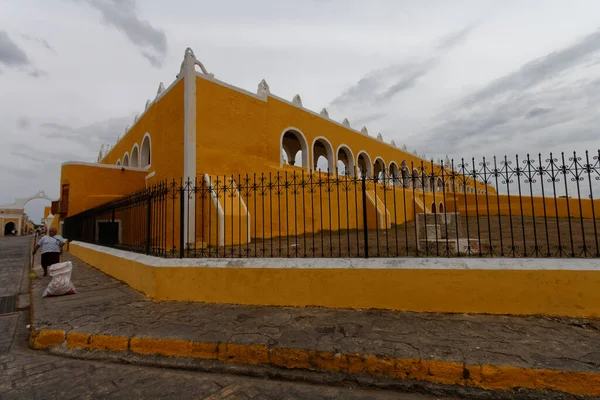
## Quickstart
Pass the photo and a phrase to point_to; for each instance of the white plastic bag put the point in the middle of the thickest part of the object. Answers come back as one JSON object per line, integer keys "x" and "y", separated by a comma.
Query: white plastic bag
{"x": 61, "y": 280}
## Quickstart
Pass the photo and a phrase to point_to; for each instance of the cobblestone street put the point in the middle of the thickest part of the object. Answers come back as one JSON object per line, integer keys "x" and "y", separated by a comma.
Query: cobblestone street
{"x": 30, "y": 374}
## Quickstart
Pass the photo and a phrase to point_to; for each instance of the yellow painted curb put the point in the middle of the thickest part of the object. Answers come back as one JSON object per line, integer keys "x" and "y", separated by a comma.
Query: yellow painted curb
{"x": 47, "y": 338}
{"x": 490, "y": 377}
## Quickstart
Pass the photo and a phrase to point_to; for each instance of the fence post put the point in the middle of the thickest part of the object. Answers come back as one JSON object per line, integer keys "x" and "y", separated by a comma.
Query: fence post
{"x": 181, "y": 221}
{"x": 148, "y": 223}
{"x": 364, "y": 206}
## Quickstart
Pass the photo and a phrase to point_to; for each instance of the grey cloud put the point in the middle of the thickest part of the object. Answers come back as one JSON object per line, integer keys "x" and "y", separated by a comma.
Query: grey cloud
{"x": 507, "y": 113}
{"x": 409, "y": 79}
{"x": 90, "y": 137}
{"x": 369, "y": 118}
{"x": 381, "y": 85}
{"x": 30, "y": 157}
{"x": 23, "y": 123}
{"x": 40, "y": 41}
{"x": 37, "y": 73}
{"x": 540, "y": 70}
{"x": 536, "y": 111}
{"x": 11, "y": 55}
{"x": 454, "y": 39}
{"x": 123, "y": 15}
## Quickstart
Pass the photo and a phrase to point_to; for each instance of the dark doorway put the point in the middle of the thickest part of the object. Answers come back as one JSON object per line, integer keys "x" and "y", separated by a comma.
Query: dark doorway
{"x": 108, "y": 233}
{"x": 9, "y": 228}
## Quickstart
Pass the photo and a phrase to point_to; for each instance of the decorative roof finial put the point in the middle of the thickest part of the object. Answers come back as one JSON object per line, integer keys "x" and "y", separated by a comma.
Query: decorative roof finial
{"x": 364, "y": 131}
{"x": 148, "y": 103}
{"x": 346, "y": 123}
{"x": 161, "y": 89}
{"x": 393, "y": 143}
{"x": 324, "y": 113}
{"x": 448, "y": 163}
{"x": 380, "y": 137}
{"x": 135, "y": 120}
{"x": 263, "y": 88}
{"x": 404, "y": 148}
{"x": 126, "y": 129}
{"x": 297, "y": 100}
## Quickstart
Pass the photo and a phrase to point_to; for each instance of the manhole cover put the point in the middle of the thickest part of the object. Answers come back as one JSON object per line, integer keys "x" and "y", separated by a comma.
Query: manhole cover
{"x": 8, "y": 304}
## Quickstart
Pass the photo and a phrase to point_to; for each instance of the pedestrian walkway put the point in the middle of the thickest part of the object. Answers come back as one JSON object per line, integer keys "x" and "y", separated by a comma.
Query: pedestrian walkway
{"x": 469, "y": 351}
{"x": 31, "y": 374}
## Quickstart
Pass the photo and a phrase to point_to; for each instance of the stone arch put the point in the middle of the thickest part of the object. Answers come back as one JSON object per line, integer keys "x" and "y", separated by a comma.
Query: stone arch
{"x": 440, "y": 185}
{"x": 321, "y": 147}
{"x": 119, "y": 161}
{"x": 346, "y": 157}
{"x": 363, "y": 164}
{"x": 394, "y": 174}
{"x": 292, "y": 142}
{"x": 433, "y": 208}
{"x": 441, "y": 208}
{"x": 126, "y": 159}
{"x": 416, "y": 179}
{"x": 379, "y": 171}
{"x": 9, "y": 228}
{"x": 134, "y": 160}
{"x": 406, "y": 181}
{"x": 146, "y": 151}
{"x": 425, "y": 180}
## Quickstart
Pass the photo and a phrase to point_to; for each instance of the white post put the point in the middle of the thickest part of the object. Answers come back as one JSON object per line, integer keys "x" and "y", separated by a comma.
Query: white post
{"x": 189, "y": 157}
{"x": 19, "y": 226}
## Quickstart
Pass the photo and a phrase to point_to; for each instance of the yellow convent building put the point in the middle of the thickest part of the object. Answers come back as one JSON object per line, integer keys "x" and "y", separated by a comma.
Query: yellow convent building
{"x": 207, "y": 132}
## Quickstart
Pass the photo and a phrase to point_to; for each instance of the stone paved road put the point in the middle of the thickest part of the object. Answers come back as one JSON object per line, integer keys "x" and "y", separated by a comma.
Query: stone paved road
{"x": 29, "y": 374}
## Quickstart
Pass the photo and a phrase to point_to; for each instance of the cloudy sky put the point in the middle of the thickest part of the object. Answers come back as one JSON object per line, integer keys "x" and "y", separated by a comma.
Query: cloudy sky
{"x": 465, "y": 78}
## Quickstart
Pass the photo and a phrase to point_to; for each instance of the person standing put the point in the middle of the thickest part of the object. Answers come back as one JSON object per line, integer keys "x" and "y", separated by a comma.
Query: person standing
{"x": 51, "y": 246}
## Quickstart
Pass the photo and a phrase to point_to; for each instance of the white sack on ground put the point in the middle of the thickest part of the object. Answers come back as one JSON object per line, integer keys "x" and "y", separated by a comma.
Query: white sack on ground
{"x": 61, "y": 280}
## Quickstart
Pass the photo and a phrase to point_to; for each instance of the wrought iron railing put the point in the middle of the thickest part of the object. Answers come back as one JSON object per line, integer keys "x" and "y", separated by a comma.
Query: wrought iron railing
{"x": 531, "y": 207}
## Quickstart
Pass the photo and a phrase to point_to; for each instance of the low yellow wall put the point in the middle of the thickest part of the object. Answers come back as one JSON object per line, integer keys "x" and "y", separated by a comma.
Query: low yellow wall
{"x": 564, "y": 292}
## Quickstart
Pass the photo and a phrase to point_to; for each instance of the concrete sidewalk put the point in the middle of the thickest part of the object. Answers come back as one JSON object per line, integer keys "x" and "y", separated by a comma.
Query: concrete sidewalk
{"x": 528, "y": 357}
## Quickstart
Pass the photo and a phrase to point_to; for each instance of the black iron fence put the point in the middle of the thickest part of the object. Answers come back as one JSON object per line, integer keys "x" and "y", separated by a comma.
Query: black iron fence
{"x": 532, "y": 207}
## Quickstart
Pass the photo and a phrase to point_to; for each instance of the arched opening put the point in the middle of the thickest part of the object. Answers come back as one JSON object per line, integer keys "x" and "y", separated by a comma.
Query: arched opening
{"x": 126, "y": 160}
{"x": 406, "y": 181}
{"x": 145, "y": 152}
{"x": 119, "y": 161}
{"x": 363, "y": 163}
{"x": 323, "y": 155}
{"x": 379, "y": 172}
{"x": 441, "y": 208}
{"x": 416, "y": 180}
{"x": 10, "y": 228}
{"x": 135, "y": 157}
{"x": 394, "y": 174}
{"x": 448, "y": 186}
{"x": 34, "y": 208}
{"x": 345, "y": 161}
{"x": 433, "y": 208}
{"x": 440, "y": 185}
{"x": 425, "y": 181}
{"x": 294, "y": 149}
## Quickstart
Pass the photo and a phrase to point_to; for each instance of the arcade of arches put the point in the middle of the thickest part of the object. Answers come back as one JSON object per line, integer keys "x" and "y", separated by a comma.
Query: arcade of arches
{"x": 296, "y": 152}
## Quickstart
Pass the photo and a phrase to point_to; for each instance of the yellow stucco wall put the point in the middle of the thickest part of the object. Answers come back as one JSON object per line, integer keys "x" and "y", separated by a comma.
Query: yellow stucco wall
{"x": 474, "y": 204}
{"x": 240, "y": 134}
{"x": 510, "y": 291}
{"x": 164, "y": 122}
{"x": 92, "y": 185}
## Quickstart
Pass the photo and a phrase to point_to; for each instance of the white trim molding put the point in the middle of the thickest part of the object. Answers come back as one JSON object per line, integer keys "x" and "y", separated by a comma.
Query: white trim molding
{"x": 189, "y": 135}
